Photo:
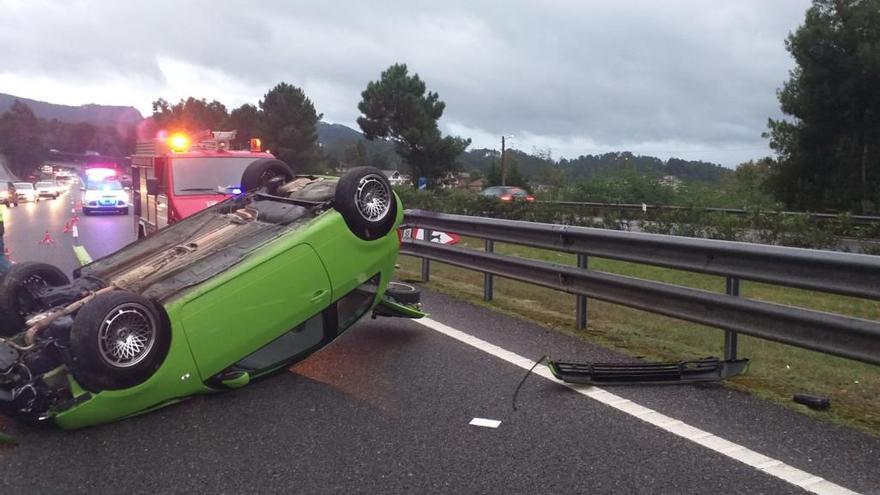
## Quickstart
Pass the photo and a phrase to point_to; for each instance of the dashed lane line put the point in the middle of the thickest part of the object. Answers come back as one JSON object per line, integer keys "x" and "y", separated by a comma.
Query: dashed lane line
{"x": 773, "y": 467}
{"x": 82, "y": 255}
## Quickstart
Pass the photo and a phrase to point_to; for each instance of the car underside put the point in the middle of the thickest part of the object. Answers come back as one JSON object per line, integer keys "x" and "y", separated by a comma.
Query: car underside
{"x": 53, "y": 364}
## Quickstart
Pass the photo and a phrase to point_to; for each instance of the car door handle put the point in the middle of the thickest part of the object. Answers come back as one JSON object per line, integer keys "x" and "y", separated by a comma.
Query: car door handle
{"x": 317, "y": 296}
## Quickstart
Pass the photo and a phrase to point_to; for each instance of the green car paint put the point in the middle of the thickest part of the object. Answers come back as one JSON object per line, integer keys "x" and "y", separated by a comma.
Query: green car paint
{"x": 228, "y": 316}
{"x": 390, "y": 307}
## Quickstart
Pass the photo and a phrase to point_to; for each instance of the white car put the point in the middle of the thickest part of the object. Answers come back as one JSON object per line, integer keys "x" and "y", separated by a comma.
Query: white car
{"x": 26, "y": 192}
{"x": 105, "y": 195}
{"x": 47, "y": 189}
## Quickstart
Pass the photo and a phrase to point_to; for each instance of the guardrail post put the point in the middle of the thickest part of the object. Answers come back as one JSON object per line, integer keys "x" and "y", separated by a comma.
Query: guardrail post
{"x": 488, "y": 280}
{"x": 730, "y": 337}
{"x": 426, "y": 263}
{"x": 582, "y": 300}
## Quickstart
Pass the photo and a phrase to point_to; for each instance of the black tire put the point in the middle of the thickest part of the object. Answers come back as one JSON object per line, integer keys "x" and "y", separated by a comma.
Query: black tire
{"x": 16, "y": 300}
{"x": 124, "y": 211}
{"x": 367, "y": 203}
{"x": 404, "y": 293}
{"x": 266, "y": 173}
{"x": 118, "y": 340}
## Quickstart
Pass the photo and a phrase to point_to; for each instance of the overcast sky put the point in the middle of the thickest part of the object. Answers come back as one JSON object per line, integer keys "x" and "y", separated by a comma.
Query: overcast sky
{"x": 693, "y": 79}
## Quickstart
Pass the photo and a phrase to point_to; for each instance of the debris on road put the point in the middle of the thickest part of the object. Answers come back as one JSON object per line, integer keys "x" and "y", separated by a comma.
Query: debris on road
{"x": 488, "y": 423}
{"x": 817, "y": 402}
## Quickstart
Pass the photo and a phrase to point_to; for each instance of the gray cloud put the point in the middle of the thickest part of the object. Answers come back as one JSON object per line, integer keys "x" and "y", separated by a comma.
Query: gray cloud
{"x": 691, "y": 76}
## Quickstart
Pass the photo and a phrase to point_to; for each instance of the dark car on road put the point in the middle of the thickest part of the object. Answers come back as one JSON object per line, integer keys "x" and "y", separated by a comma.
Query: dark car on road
{"x": 508, "y": 194}
{"x": 8, "y": 196}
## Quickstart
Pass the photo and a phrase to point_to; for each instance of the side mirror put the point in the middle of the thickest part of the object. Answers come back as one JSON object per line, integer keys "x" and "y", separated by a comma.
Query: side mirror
{"x": 153, "y": 186}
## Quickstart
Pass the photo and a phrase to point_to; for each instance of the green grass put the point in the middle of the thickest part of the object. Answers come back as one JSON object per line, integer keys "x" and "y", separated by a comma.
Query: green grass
{"x": 776, "y": 372}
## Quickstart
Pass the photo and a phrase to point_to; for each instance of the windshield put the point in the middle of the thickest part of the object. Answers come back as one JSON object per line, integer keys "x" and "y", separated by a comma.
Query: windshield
{"x": 45, "y": 184}
{"x": 206, "y": 175}
{"x": 24, "y": 185}
{"x": 103, "y": 185}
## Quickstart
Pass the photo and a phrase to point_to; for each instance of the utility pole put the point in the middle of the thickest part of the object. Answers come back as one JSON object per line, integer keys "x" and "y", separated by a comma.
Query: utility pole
{"x": 503, "y": 170}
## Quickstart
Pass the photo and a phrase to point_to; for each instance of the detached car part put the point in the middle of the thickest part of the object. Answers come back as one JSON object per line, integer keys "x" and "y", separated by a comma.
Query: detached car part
{"x": 239, "y": 290}
{"x": 702, "y": 370}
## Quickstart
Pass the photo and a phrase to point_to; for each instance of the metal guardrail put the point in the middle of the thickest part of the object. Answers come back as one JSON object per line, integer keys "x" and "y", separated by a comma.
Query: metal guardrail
{"x": 646, "y": 208}
{"x": 824, "y": 271}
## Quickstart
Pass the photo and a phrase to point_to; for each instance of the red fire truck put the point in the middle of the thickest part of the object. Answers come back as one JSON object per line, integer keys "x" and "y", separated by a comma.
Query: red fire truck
{"x": 176, "y": 176}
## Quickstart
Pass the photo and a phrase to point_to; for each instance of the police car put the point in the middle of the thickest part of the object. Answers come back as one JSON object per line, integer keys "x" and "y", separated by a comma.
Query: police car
{"x": 104, "y": 194}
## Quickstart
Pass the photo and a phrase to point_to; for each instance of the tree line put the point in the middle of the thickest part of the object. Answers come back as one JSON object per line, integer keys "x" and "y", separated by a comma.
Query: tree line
{"x": 397, "y": 109}
{"x": 25, "y": 139}
{"x": 828, "y": 147}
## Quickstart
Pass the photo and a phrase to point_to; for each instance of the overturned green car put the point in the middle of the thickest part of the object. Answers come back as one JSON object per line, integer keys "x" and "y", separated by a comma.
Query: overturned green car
{"x": 241, "y": 289}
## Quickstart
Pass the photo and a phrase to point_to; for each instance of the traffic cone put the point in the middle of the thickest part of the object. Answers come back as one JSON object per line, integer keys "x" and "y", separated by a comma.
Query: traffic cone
{"x": 66, "y": 227}
{"x": 47, "y": 239}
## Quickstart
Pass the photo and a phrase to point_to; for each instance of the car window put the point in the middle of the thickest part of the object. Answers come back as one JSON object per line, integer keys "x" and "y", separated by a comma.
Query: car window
{"x": 356, "y": 303}
{"x": 200, "y": 175}
{"x": 44, "y": 184}
{"x": 296, "y": 342}
{"x": 24, "y": 185}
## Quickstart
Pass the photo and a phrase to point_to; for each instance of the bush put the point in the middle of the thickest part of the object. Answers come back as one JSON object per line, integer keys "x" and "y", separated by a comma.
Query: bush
{"x": 759, "y": 226}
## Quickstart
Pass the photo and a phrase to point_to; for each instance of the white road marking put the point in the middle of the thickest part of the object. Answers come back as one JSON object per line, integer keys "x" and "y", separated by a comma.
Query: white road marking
{"x": 488, "y": 423}
{"x": 773, "y": 467}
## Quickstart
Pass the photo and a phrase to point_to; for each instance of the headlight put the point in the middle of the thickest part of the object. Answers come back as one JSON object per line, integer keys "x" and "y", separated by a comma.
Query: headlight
{"x": 92, "y": 195}
{"x": 122, "y": 196}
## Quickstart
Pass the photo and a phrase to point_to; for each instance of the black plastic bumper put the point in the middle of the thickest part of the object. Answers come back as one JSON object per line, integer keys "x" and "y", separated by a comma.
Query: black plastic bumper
{"x": 701, "y": 370}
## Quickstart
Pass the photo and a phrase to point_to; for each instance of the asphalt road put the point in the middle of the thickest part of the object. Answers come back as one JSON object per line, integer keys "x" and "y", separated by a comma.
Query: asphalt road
{"x": 386, "y": 409}
{"x": 36, "y": 231}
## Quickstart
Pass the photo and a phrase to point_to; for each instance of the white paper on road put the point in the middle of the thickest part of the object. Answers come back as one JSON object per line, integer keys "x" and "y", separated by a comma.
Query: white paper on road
{"x": 488, "y": 423}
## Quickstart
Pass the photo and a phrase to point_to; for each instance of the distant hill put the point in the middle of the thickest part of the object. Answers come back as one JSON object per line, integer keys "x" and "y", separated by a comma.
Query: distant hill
{"x": 587, "y": 166}
{"x": 337, "y": 139}
{"x": 334, "y": 134}
{"x": 347, "y": 146}
{"x": 98, "y": 115}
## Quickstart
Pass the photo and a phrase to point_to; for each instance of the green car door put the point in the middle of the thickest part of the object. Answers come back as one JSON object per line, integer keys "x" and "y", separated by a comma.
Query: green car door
{"x": 258, "y": 303}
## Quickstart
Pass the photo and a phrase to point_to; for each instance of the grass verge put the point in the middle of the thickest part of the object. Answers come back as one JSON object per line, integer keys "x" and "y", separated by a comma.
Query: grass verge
{"x": 776, "y": 372}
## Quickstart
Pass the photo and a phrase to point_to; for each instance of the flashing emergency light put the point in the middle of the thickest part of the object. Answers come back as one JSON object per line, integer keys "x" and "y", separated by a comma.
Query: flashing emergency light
{"x": 100, "y": 173}
{"x": 256, "y": 144}
{"x": 179, "y": 142}
{"x": 236, "y": 190}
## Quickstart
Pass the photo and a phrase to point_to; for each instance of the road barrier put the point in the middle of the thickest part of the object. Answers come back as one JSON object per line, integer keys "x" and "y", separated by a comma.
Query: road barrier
{"x": 824, "y": 271}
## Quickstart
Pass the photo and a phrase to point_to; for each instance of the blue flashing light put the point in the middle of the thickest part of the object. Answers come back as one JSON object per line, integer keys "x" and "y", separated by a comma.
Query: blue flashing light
{"x": 236, "y": 191}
